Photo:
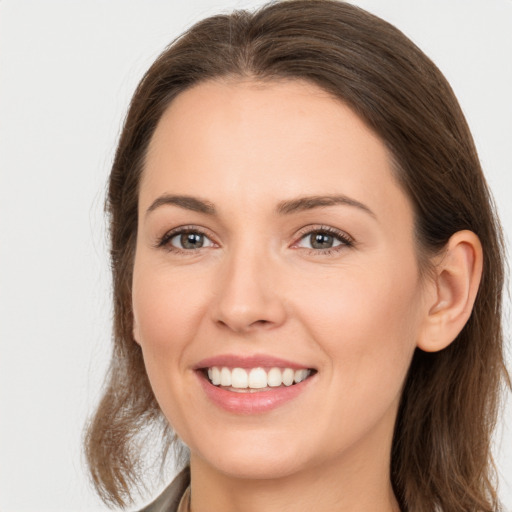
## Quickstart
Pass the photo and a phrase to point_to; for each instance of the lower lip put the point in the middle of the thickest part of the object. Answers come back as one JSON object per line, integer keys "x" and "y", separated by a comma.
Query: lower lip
{"x": 255, "y": 402}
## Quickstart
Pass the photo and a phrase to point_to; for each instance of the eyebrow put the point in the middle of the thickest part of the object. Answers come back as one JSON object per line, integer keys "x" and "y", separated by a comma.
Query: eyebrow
{"x": 187, "y": 202}
{"x": 283, "y": 208}
{"x": 309, "y": 202}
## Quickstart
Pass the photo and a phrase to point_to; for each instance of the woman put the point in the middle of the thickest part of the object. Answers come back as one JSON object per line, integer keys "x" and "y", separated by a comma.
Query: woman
{"x": 307, "y": 274}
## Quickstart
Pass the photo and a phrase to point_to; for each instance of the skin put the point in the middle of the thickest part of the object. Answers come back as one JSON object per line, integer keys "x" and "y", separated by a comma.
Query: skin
{"x": 355, "y": 313}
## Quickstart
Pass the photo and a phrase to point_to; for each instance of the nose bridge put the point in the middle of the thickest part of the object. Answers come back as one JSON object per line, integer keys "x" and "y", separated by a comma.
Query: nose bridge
{"x": 248, "y": 295}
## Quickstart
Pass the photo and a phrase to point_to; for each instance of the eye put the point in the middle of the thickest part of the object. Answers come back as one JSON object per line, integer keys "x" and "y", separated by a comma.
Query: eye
{"x": 324, "y": 239}
{"x": 185, "y": 240}
{"x": 188, "y": 240}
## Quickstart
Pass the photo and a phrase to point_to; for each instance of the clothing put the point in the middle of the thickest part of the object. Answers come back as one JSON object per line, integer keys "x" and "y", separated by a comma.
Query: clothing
{"x": 184, "y": 505}
{"x": 171, "y": 499}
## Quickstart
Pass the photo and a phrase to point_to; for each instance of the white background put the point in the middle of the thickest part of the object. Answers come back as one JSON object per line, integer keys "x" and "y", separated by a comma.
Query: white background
{"x": 67, "y": 71}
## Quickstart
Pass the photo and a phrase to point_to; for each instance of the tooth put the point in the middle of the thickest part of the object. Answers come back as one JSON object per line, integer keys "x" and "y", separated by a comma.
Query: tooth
{"x": 225, "y": 377}
{"x": 300, "y": 375}
{"x": 275, "y": 377}
{"x": 215, "y": 377}
{"x": 288, "y": 376}
{"x": 258, "y": 378}
{"x": 239, "y": 378}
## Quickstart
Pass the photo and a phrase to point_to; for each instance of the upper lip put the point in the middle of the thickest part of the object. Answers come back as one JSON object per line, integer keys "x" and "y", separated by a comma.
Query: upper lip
{"x": 244, "y": 361}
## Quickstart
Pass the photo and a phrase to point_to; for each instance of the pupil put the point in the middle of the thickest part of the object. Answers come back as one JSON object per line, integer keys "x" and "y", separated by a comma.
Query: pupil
{"x": 191, "y": 240}
{"x": 321, "y": 241}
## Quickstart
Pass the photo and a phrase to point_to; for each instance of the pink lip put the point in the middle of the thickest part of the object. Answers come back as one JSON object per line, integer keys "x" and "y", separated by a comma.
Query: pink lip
{"x": 251, "y": 403}
{"x": 254, "y": 361}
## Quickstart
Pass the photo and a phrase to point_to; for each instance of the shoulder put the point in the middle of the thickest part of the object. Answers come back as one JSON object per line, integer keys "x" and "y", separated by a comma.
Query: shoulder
{"x": 169, "y": 500}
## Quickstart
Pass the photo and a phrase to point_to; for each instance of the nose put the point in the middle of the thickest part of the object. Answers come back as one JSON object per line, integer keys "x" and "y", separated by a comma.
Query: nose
{"x": 248, "y": 296}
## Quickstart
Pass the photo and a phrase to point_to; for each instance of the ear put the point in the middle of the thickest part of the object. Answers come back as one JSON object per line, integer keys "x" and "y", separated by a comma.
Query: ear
{"x": 455, "y": 284}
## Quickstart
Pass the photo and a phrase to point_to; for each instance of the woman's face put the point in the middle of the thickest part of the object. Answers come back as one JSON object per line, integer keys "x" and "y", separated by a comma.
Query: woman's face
{"x": 272, "y": 234}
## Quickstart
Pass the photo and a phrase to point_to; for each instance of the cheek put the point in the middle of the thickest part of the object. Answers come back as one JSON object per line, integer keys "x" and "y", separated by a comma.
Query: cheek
{"x": 167, "y": 311}
{"x": 366, "y": 319}
{"x": 166, "y": 308}
{"x": 366, "y": 324}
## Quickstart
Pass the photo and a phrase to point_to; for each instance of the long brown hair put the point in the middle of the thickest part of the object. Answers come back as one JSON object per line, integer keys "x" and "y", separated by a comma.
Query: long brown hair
{"x": 441, "y": 456}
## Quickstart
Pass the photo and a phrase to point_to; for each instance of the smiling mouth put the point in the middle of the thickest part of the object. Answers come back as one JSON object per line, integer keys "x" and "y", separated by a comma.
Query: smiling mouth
{"x": 251, "y": 380}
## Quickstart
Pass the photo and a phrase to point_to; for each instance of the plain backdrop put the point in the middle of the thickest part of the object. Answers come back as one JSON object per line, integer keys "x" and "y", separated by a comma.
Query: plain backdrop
{"x": 67, "y": 71}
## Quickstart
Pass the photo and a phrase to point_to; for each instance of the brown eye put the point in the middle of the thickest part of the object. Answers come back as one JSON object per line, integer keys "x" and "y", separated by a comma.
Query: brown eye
{"x": 190, "y": 240}
{"x": 321, "y": 240}
{"x": 324, "y": 239}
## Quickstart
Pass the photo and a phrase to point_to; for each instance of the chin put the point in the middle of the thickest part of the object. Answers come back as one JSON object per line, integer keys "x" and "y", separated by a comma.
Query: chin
{"x": 254, "y": 459}
{"x": 260, "y": 468}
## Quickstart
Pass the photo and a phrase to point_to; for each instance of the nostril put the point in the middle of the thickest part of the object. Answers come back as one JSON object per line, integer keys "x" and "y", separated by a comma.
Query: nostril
{"x": 246, "y": 327}
{"x": 261, "y": 322}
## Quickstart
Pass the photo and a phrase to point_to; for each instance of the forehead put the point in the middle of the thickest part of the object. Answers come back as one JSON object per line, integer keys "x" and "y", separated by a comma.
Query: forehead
{"x": 251, "y": 119}
{"x": 267, "y": 142}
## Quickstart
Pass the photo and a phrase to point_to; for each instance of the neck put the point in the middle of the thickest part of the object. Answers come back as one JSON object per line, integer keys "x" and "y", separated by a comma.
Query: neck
{"x": 347, "y": 484}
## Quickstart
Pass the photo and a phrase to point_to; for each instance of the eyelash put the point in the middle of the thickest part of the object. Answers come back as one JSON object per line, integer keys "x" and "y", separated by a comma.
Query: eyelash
{"x": 346, "y": 240}
{"x": 163, "y": 242}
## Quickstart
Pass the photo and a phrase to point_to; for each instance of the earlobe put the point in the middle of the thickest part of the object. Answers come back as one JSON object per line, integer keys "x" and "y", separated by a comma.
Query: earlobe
{"x": 456, "y": 280}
